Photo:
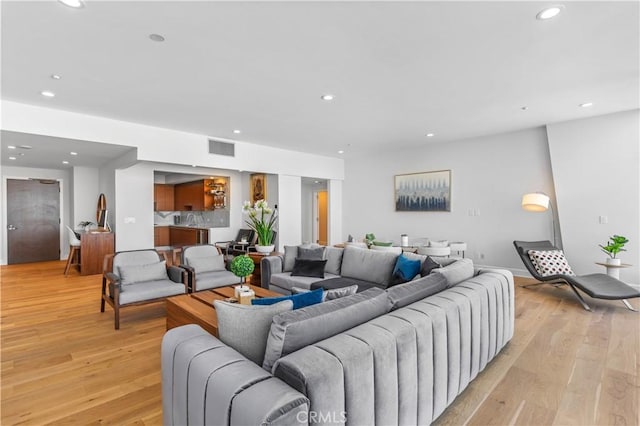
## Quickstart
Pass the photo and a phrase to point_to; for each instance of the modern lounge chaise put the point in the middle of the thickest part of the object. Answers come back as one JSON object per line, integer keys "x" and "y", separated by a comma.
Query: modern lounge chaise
{"x": 598, "y": 286}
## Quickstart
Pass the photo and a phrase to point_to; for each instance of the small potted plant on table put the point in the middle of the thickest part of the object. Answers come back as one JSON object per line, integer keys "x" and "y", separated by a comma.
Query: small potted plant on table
{"x": 242, "y": 266}
{"x": 615, "y": 245}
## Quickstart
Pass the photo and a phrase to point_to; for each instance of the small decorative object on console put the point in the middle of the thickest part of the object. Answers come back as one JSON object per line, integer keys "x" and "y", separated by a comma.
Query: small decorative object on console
{"x": 262, "y": 218}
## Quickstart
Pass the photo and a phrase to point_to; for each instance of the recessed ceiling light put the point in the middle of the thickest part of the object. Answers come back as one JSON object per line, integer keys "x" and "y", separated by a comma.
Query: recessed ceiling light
{"x": 47, "y": 93}
{"x": 25, "y": 147}
{"x": 193, "y": 165}
{"x": 12, "y": 158}
{"x": 316, "y": 181}
{"x": 55, "y": 76}
{"x": 73, "y": 153}
{"x": 549, "y": 12}
{"x": 341, "y": 152}
{"x": 430, "y": 135}
{"x": 236, "y": 131}
{"x": 156, "y": 37}
{"x": 65, "y": 162}
{"x": 72, "y": 3}
{"x": 327, "y": 97}
{"x": 586, "y": 104}
{"x": 11, "y": 147}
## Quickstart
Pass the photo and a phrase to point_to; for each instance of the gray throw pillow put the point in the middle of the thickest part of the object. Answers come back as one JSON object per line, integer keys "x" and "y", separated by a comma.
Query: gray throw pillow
{"x": 290, "y": 254}
{"x": 334, "y": 293}
{"x": 458, "y": 271}
{"x": 313, "y": 253}
{"x": 293, "y": 330}
{"x": 206, "y": 263}
{"x": 405, "y": 294}
{"x": 131, "y": 274}
{"x": 246, "y": 327}
{"x": 334, "y": 260}
{"x": 428, "y": 266}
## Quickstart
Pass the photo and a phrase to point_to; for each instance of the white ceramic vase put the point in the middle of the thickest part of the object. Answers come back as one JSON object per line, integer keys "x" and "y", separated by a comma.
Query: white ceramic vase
{"x": 612, "y": 261}
{"x": 265, "y": 249}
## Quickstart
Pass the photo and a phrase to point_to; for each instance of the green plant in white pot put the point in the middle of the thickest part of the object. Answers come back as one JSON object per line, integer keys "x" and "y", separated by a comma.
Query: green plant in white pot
{"x": 614, "y": 246}
{"x": 262, "y": 219}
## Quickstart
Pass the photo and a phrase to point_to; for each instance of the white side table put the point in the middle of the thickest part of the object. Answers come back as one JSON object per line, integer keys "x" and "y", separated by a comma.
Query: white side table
{"x": 613, "y": 270}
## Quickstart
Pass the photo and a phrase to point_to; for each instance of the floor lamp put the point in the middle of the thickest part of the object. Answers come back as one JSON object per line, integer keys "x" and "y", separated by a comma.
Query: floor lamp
{"x": 540, "y": 202}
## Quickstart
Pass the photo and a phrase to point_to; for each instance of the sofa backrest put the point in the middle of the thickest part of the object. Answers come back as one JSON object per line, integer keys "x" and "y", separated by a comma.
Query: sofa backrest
{"x": 368, "y": 265}
{"x": 296, "y": 329}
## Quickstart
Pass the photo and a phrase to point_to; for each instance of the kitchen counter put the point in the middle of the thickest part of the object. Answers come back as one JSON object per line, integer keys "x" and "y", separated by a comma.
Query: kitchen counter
{"x": 206, "y": 228}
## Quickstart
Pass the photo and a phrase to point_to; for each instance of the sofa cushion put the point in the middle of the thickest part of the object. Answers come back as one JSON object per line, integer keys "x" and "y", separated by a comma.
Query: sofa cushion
{"x": 285, "y": 281}
{"x": 290, "y": 254}
{"x": 334, "y": 260}
{"x": 215, "y": 279}
{"x": 342, "y": 282}
{"x": 335, "y": 293}
{"x": 206, "y": 263}
{"x": 245, "y": 328}
{"x": 311, "y": 253}
{"x": 131, "y": 274}
{"x": 404, "y": 294}
{"x": 293, "y": 330}
{"x": 458, "y": 271}
{"x": 428, "y": 265}
{"x": 308, "y": 268}
{"x": 149, "y": 290}
{"x": 300, "y": 300}
{"x": 368, "y": 265}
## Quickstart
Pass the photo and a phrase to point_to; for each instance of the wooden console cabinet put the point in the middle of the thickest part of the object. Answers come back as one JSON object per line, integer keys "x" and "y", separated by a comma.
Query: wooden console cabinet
{"x": 94, "y": 246}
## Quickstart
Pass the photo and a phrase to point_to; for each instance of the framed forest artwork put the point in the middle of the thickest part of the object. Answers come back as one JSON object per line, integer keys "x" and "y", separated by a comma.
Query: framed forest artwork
{"x": 258, "y": 188}
{"x": 423, "y": 192}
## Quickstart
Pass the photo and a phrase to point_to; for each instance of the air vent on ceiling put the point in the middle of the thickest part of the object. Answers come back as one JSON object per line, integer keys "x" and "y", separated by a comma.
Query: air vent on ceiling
{"x": 222, "y": 148}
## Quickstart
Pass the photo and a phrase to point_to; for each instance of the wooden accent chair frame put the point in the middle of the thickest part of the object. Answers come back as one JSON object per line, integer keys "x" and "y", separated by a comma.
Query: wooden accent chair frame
{"x": 206, "y": 267}
{"x": 137, "y": 277}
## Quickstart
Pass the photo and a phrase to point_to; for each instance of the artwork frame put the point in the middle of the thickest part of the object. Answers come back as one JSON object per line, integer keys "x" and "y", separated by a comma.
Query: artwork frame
{"x": 423, "y": 191}
{"x": 258, "y": 187}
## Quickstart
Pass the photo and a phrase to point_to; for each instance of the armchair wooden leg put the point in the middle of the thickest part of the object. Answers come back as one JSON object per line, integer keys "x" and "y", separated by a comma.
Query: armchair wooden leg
{"x": 104, "y": 292}
{"x": 116, "y": 317}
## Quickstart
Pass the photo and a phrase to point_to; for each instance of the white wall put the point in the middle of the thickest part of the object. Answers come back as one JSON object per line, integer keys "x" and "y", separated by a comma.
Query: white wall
{"x": 488, "y": 174}
{"x": 596, "y": 170}
{"x": 165, "y": 145}
{"x": 335, "y": 197}
{"x": 307, "y": 204}
{"x": 85, "y": 193}
{"x": 64, "y": 177}
{"x": 289, "y": 210}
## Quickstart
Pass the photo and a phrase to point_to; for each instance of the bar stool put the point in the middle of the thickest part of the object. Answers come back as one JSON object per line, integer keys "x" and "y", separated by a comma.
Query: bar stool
{"x": 74, "y": 250}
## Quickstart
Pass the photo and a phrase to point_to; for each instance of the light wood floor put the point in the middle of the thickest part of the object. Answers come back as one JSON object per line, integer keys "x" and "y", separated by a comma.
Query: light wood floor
{"x": 63, "y": 363}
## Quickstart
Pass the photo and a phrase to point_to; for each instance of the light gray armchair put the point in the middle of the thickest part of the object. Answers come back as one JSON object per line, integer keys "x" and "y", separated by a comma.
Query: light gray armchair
{"x": 206, "y": 268}
{"x": 137, "y": 277}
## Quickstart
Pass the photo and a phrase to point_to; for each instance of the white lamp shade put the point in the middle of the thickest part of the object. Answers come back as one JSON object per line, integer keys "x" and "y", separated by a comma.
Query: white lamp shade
{"x": 535, "y": 202}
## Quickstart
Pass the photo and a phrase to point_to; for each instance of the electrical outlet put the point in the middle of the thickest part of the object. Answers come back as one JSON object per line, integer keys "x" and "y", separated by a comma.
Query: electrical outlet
{"x": 603, "y": 220}
{"x": 129, "y": 220}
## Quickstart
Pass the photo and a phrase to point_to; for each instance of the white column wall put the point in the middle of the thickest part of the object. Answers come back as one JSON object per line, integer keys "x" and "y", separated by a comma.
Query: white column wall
{"x": 335, "y": 197}
{"x": 86, "y": 190}
{"x": 289, "y": 210}
{"x": 596, "y": 170}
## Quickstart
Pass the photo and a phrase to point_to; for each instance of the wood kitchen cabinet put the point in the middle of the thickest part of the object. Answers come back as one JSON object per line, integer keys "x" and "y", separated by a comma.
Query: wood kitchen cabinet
{"x": 163, "y": 197}
{"x": 201, "y": 195}
{"x": 161, "y": 236}
{"x": 181, "y": 235}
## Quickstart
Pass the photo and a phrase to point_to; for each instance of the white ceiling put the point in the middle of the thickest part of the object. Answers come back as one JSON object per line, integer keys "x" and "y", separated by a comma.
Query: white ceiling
{"x": 398, "y": 70}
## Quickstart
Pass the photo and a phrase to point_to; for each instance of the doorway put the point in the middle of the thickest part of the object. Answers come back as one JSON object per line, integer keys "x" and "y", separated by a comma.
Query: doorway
{"x": 33, "y": 220}
{"x": 321, "y": 215}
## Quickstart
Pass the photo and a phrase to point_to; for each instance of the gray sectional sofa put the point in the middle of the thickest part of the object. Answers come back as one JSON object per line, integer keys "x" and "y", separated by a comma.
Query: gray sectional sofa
{"x": 395, "y": 356}
{"x": 355, "y": 265}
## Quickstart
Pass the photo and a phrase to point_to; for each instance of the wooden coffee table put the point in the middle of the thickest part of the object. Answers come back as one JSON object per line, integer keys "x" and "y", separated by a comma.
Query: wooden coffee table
{"x": 197, "y": 308}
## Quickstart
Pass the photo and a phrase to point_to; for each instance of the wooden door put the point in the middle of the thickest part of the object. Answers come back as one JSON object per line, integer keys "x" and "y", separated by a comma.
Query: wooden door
{"x": 322, "y": 217}
{"x": 33, "y": 220}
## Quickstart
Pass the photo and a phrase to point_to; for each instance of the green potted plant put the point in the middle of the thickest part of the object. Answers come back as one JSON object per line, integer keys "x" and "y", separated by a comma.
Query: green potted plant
{"x": 614, "y": 246}
{"x": 242, "y": 266}
{"x": 262, "y": 219}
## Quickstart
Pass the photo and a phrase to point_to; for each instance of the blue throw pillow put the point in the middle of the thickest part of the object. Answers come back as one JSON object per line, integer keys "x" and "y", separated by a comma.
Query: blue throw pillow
{"x": 299, "y": 300}
{"x": 406, "y": 268}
